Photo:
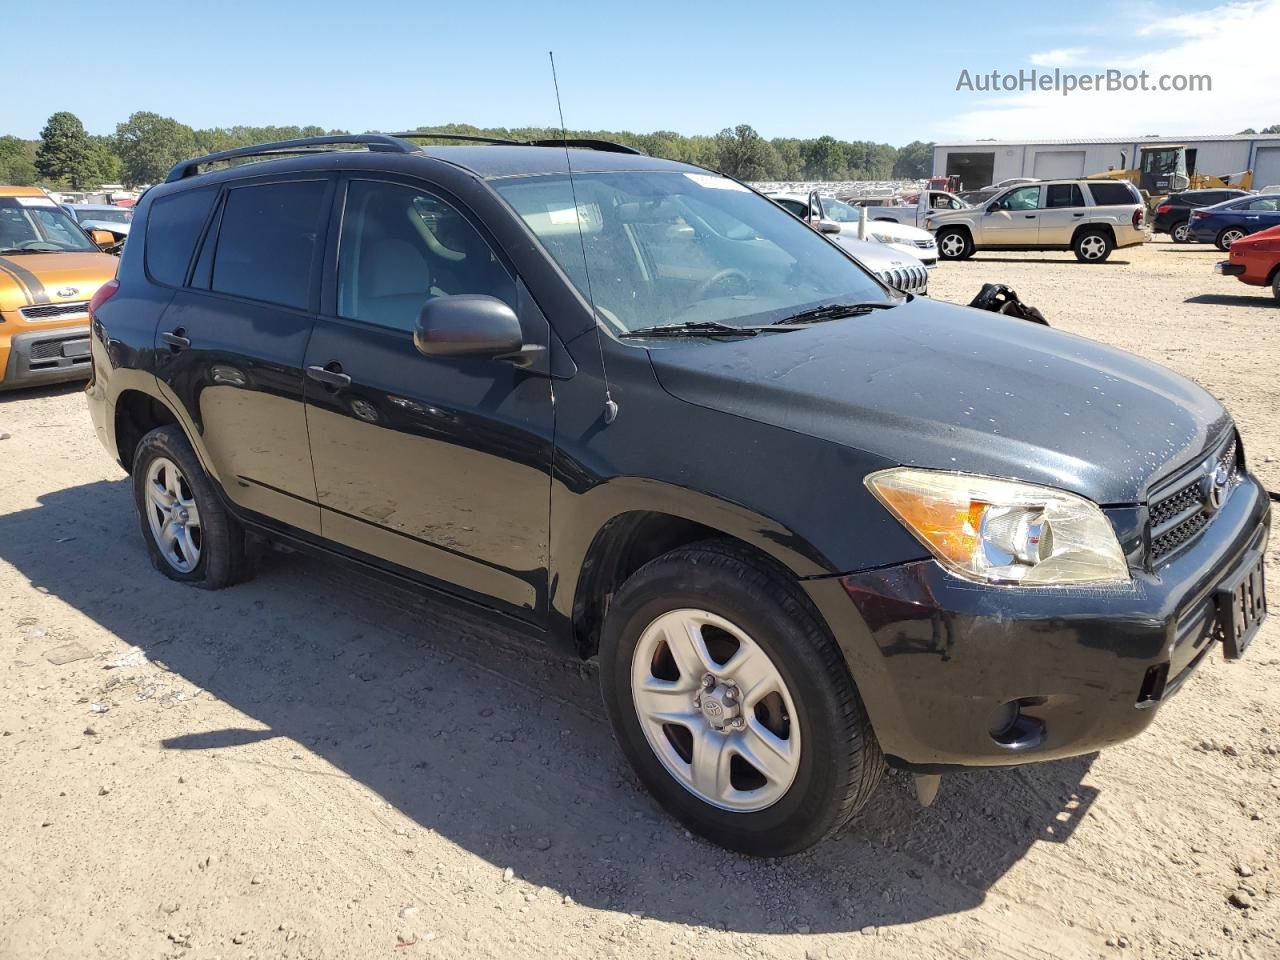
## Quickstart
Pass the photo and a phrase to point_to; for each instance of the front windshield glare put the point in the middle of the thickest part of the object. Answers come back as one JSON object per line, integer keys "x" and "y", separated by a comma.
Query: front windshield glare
{"x": 674, "y": 248}
{"x": 38, "y": 225}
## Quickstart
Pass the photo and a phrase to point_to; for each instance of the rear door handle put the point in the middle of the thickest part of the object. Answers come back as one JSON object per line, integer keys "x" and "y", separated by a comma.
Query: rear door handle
{"x": 1031, "y": 216}
{"x": 330, "y": 375}
{"x": 176, "y": 339}
{"x": 1078, "y": 214}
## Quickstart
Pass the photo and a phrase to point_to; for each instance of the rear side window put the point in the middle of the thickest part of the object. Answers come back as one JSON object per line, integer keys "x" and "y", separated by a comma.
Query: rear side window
{"x": 1064, "y": 195}
{"x": 267, "y": 241}
{"x": 1113, "y": 194}
{"x": 173, "y": 229}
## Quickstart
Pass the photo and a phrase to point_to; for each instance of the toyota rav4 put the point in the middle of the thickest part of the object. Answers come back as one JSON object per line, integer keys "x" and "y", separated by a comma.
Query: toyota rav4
{"x": 808, "y": 525}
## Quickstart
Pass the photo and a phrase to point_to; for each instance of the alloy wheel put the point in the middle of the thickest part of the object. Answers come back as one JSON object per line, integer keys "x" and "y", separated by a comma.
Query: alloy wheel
{"x": 951, "y": 245}
{"x": 715, "y": 710}
{"x": 172, "y": 515}
{"x": 1093, "y": 247}
{"x": 1231, "y": 236}
{"x": 1181, "y": 233}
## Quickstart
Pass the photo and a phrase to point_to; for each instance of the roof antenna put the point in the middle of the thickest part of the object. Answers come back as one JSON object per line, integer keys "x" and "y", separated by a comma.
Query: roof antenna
{"x": 610, "y": 406}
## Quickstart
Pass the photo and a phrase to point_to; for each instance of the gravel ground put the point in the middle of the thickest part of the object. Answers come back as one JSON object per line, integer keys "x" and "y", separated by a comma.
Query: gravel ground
{"x": 316, "y": 765}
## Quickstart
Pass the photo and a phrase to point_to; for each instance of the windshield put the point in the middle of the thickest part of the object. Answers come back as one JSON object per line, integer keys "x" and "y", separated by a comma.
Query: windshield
{"x": 674, "y": 248}
{"x": 104, "y": 214}
{"x": 38, "y": 225}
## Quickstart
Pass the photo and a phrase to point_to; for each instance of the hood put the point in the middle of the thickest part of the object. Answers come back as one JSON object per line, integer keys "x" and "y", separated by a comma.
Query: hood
{"x": 33, "y": 278}
{"x": 876, "y": 256}
{"x": 935, "y": 385}
{"x": 898, "y": 232}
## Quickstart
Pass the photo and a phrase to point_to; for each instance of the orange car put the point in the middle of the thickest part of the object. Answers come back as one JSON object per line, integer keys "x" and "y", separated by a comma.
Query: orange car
{"x": 1255, "y": 260}
{"x": 49, "y": 268}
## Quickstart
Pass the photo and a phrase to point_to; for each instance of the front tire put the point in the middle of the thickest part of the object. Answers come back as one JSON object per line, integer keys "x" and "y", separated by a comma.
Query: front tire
{"x": 1275, "y": 286}
{"x": 1229, "y": 236}
{"x": 1180, "y": 232}
{"x": 190, "y": 537}
{"x": 1093, "y": 246}
{"x": 955, "y": 244}
{"x": 732, "y": 702}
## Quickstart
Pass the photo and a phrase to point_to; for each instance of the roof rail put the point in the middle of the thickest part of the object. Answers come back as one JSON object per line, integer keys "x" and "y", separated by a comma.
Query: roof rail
{"x": 376, "y": 142}
{"x": 582, "y": 143}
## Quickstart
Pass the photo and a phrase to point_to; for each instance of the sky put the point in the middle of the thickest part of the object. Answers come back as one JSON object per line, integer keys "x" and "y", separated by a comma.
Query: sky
{"x": 857, "y": 71}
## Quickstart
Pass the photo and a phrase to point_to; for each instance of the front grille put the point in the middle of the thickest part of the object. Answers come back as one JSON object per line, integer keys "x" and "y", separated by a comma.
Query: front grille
{"x": 46, "y": 350}
{"x": 926, "y": 244}
{"x": 906, "y": 279}
{"x": 55, "y": 311}
{"x": 1177, "y": 515}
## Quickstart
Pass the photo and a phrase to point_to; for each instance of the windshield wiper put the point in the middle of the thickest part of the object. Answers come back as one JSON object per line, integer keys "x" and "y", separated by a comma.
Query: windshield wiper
{"x": 834, "y": 311}
{"x": 695, "y": 328}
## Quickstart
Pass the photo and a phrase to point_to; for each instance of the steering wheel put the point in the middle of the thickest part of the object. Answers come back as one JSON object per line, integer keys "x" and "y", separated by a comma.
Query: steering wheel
{"x": 719, "y": 277}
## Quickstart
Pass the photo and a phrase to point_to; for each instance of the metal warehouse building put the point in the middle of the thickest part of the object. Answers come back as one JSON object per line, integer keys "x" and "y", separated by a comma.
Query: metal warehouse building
{"x": 989, "y": 161}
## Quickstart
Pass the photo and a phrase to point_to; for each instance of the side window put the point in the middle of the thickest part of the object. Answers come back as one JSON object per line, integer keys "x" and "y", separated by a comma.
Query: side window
{"x": 1064, "y": 195}
{"x": 1113, "y": 193}
{"x": 794, "y": 207}
{"x": 267, "y": 241}
{"x": 173, "y": 228}
{"x": 1264, "y": 204}
{"x": 400, "y": 246}
{"x": 1024, "y": 198}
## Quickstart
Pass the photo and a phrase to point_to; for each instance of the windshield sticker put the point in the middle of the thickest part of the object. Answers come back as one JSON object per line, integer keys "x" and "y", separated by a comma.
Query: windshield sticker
{"x": 712, "y": 182}
{"x": 35, "y": 202}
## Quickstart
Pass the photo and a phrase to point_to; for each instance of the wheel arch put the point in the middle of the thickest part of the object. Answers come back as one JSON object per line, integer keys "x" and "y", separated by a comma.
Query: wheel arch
{"x": 137, "y": 413}
{"x": 595, "y": 555}
{"x": 1093, "y": 227}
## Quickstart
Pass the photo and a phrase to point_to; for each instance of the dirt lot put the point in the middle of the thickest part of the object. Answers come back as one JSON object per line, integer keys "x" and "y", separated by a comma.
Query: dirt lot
{"x": 311, "y": 765}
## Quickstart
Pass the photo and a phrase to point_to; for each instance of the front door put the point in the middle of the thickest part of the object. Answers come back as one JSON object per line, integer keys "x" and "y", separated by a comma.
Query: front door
{"x": 1013, "y": 219}
{"x": 441, "y": 466}
{"x": 230, "y": 344}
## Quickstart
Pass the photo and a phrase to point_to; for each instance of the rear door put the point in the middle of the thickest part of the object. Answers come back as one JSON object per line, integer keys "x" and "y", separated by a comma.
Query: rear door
{"x": 231, "y": 343}
{"x": 1064, "y": 208}
{"x": 1013, "y": 219}
{"x": 438, "y": 465}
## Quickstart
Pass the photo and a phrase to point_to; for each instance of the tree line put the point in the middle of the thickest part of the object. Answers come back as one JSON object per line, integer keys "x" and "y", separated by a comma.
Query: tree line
{"x": 146, "y": 145}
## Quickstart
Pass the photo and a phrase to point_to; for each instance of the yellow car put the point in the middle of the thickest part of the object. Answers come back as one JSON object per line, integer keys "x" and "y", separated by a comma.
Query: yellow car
{"x": 49, "y": 269}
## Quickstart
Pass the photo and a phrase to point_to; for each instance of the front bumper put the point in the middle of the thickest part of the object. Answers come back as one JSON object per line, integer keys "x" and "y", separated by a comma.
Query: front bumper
{"x": 937, "y": 658}
{"x": 1228, "y": 269}
{"x": 47, "y": 356}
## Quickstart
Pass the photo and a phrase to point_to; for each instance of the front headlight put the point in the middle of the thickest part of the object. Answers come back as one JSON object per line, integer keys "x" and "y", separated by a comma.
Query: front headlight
{"x": 884, "y": 238}
{"x": 1003, "y": 531}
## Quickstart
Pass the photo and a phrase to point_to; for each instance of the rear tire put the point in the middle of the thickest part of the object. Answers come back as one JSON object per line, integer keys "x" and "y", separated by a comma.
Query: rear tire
{"x": 751, "y": 625}
{"x": 1180, "y": 232}
{"x": 955, "y": 244}
{"x": 1228, "y": 236}
{"x": 1092, "y": 246}
{"x": 190, "y": 537}
{"x": 1275, "y": 286}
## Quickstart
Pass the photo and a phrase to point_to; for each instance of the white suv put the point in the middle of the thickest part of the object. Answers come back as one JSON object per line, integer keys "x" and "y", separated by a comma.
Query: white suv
{"x": 1089, "y": 217}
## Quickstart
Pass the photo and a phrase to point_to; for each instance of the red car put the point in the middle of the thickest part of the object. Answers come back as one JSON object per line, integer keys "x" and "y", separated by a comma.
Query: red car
{"x": 1255, "y": 260}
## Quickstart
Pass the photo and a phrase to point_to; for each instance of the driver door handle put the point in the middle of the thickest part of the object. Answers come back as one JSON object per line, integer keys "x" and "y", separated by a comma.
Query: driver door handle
{"x": 330, "y": 375}
{"x": 176, "y": 339}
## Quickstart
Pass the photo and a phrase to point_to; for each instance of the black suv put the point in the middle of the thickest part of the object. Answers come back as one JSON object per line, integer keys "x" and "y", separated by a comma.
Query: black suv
{"x": 1173, "y": 213}
{"x": 807, "y": 524}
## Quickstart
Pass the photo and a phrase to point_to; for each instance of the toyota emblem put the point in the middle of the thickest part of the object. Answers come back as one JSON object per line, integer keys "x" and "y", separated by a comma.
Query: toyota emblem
{"x": 68, "y": 291}
{"x": 1218, "y": 487}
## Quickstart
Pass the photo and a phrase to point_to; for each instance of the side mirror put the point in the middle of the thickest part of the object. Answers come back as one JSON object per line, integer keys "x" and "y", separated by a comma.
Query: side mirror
{"x": 827, "y": 226}
{"x": 103, "y": 238}
{"x": 467, "y": 325}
